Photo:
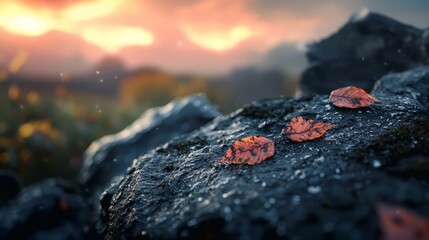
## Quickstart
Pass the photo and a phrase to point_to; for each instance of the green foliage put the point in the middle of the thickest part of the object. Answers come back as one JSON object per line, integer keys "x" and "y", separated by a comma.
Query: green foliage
{"x": 47, "y": 138}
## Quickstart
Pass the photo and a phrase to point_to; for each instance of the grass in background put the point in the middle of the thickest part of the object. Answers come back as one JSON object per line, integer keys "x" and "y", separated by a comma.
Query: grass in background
{"x": 45, "y": 137}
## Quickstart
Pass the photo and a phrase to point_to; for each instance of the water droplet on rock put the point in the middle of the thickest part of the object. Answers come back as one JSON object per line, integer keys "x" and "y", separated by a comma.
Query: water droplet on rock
{"x": 297, "y": 172}
{"x": 296, "y": 199}
{"x": 319, "y": 159}
{"x": 314, "y": 189}
{"x": 376, "y": 164}
{"x": 227, "y": 210}
{"x": 192, "y": 222}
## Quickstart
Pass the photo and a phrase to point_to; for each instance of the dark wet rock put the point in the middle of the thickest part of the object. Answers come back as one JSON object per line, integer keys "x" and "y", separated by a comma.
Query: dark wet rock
{"x": 366, "y": 48}
{"x": 110, "y": 156}
{"x": 411, "y": 84}
{"x": 52, "y": 209}
{"x": 321, "y": 189}
{"x": 10, "y": 186}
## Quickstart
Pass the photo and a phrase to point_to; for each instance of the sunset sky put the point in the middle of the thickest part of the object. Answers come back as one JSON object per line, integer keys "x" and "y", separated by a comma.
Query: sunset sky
{"x": 181, "y": 35}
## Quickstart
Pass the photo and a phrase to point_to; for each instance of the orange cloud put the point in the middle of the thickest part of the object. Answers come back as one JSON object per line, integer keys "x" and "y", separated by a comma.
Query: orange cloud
{"x": 217, "y": 39}
{"x": 92, "y": 10}
{"x": 212, "y": 25}
{"x": 81, "y": 18}
{"x": 21, "y": 19}
{"x": 216, "y": 25}
{"x": 114, "y": 38}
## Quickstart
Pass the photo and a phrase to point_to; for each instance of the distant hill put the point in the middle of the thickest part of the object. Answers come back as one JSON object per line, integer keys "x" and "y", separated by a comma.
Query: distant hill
{"x": 285, "y": 57}
{"x": 49, "y": 54}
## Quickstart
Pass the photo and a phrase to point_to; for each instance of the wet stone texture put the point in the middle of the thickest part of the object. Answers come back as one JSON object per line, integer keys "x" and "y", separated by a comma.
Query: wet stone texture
{"x": 321, "y": 189}
{"x": 366, "y": 48}
{"x": 52, "y": 209}
{"x": 110, "y": 156}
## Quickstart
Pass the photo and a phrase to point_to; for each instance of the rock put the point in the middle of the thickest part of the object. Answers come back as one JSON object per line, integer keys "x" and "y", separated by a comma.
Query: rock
{"x": 10, "y": 186}
{"x": 321, "y": 189}
{"x": 411, "y": 84}
{"x": 111, "y": 155}
{"x": 368, "y": 47}
{"x": 48, "y": 210}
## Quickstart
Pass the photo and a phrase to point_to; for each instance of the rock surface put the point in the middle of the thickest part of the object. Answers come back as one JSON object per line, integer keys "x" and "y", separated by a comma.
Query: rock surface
{"x": 10, "y": 186}
{"x": 366, "y": 48}
{"x": 110, "y": 156}
{"x": 52, "y": 209}
{"x": 321, "y": 189}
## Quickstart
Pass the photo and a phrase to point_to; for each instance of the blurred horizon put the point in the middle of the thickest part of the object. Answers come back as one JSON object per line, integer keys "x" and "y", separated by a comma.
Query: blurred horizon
{"x": 206, "y": 37}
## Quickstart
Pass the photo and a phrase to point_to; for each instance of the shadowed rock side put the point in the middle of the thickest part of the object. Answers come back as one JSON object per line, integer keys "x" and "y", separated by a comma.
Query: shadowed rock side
{"x": 110, "y": 156}
{"x": 366, "y": 48}
{"x": 321, "y": 189}
{"x": 10, "y": 186}
{"x": 52, "y": 209}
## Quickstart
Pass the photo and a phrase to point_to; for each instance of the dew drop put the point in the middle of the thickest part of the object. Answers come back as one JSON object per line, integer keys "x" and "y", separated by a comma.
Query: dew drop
{"x": 296, "y": 199}
{"x": 376, "y": 164}
{"x": 314, "y": 189}
{"x": 227, "y": 210}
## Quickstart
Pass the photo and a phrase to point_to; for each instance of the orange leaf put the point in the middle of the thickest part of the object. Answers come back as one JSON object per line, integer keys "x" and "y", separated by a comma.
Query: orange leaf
{"x": 249, "y": 150}
{"x": 351, "y": 97}
{"x": 397, "y": 223}
{"x": 299, "y": 129}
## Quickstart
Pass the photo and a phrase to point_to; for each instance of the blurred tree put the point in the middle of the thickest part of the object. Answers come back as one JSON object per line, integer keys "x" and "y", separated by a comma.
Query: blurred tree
{"x": 150, "y": 88}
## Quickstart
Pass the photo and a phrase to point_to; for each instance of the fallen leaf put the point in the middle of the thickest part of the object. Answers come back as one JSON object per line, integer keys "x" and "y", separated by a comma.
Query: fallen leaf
{"x": 351, "y": 97}
{"x": 249, "y": 150}
{"x": 299, "y": 129}
{"x": 398, "y": 223}
{"x": 63, "y": 203}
